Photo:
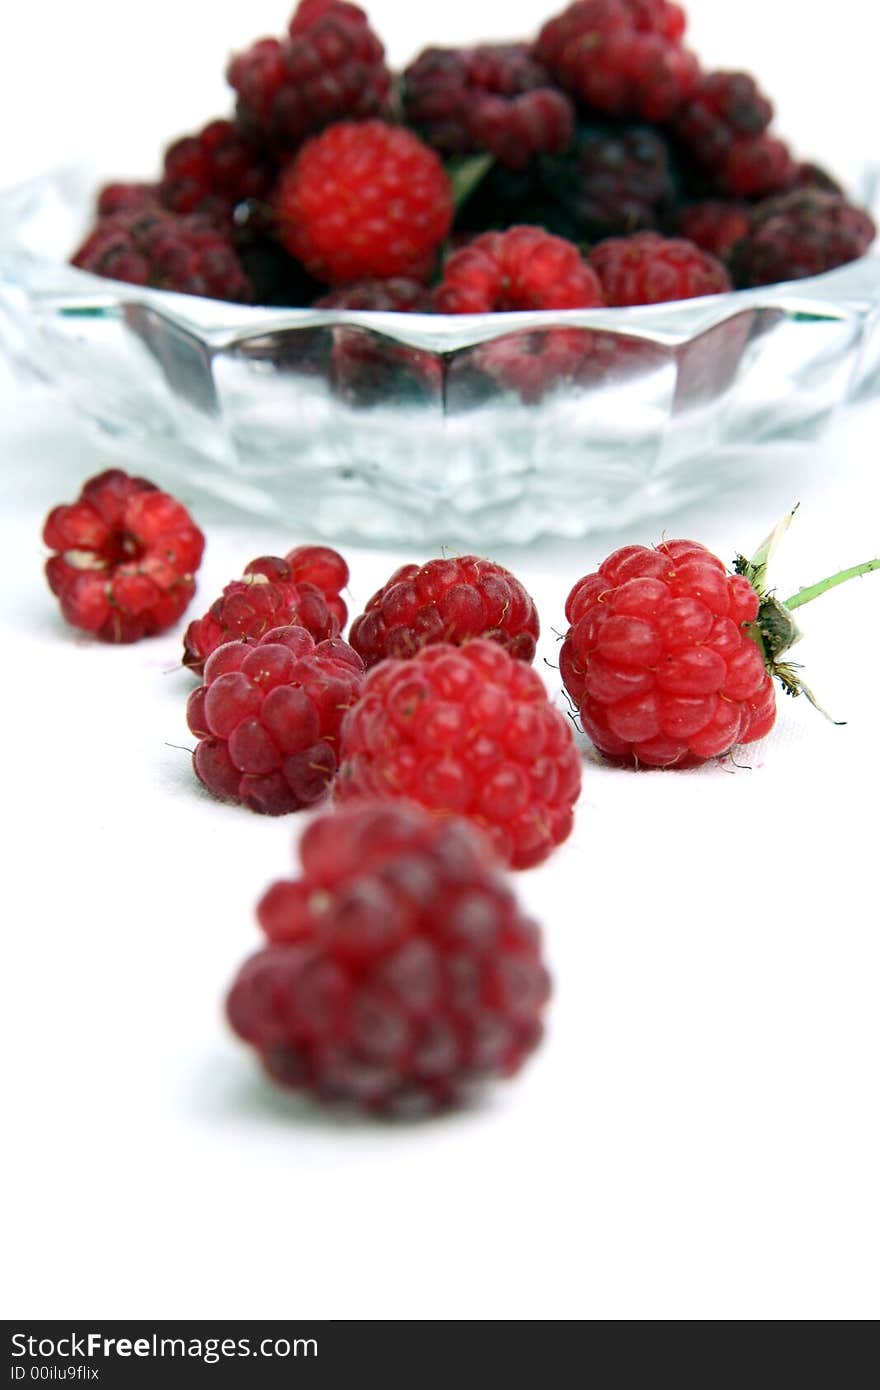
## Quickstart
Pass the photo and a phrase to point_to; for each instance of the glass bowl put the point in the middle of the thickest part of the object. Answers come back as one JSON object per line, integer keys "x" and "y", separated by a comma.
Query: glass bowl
{"x": 473, "y": 430}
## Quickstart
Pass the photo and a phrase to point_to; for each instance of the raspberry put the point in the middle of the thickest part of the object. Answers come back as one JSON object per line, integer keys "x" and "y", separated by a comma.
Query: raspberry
{"x": 494, "y": 97}
{"x": 714, "y": 226}
{"x": 398, "y": 296}
{"x": 466, "y": 731}
{"x": 450, "y": 601}
{"x": 651, "y": 269}
{"x": 267, "y": 596}
{"x": 619, "y": 181}
{"x": 268, "y": 718}
{"x": 659, "y": 659}
{"x": 213, "y": 171}
{"x": 618, "y": 57}
{"x": 814, "y": 176}
{"x": 802, "y": 233}
{"x": 125, "y": 556}
{"x": 724, "y": 107}
{"x": 522, "y": 268}
{"x": 757, "y": 166}
{"x": 330, "y": 68}
{"x": 114, "y": 198}
{"x": 400, "y": 972}
{"x": 364, "y": 200}
{"x": 326, "y": 570}
{"x": 166, "y": 252}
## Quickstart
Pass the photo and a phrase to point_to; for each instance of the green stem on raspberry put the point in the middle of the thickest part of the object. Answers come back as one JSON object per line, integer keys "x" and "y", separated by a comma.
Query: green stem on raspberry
{"x": 816, "y": 590}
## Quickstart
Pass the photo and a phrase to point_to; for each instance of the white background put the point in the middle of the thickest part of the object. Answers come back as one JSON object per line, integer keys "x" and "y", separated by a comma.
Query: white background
{"x": 698, "y": 1137}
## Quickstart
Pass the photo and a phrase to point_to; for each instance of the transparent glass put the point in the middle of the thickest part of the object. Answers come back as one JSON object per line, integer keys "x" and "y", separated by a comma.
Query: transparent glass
{"x": 438, "y": 429}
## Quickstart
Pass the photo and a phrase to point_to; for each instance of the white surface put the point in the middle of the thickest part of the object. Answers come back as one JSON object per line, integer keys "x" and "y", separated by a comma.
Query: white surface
{"x": 699, "y": 1135}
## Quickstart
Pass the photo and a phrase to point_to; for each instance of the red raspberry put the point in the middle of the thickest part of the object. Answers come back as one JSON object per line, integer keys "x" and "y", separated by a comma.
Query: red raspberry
{"x": 715, "y": 226}
{"x": 400, "y": 971}
{"x": 114, "y": 198}
{"x": 523, "y": 268}
{"x": 494, "y": 97}
{"x": 125, "y": 558}
{"x": 651, "y": 269}
{"x": 267, "y": 596}
{"x": 757, "y": 166}
{"x": 326, "y": 570}
{"x": 268, "y": 718}
{"x": 659, "y": 658}
{"x": 724, "y": 107}
{"x": 213, "y": 171}
{"x": 450, "y": 601}
{"x": 166, "y": 252}
{"x": 802, "y": 233}
{"x": 617, "y": 57}
{"x": 330, "y": 68}
{"x": 364, "y": 200}
{"x": 466, "y": 731}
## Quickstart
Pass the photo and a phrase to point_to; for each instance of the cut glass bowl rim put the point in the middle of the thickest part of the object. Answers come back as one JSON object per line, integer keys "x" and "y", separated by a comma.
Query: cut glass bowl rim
{"x": 220, "y": 324}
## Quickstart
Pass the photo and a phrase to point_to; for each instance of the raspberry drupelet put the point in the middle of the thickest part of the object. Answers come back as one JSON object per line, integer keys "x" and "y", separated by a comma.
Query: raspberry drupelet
{"x": 268, "y": 595}
{"x": 125, "y": 556}
{"x": 326, "y": 570}
{"x": 715, "y": 226}
{"x": 451, "y": 601}
{"x": 659, "y": 659}
{"x": 268, "y": 718}
{"x": 522, "y": 268}
{"x": 330, "y": 67}
{"x": 652, "y": 269}
{"x": 400, "y": 973}
{"x": 466, "y": 731}
{"x": 364, "y": 200}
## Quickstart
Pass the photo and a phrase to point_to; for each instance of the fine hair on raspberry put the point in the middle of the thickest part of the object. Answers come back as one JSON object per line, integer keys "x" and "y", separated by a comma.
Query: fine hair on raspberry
{"x": 400, "y": 974}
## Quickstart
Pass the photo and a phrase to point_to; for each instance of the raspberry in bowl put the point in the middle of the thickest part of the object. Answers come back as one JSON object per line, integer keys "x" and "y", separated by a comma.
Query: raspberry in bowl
{"x": 507, "y": 293}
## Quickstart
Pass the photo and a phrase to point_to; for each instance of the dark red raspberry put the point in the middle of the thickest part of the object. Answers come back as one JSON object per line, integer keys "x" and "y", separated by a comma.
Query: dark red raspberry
{"x": 724, "y": 107}
{"x": 400, "y": 972}
{"x": 714, "y": 226}
{"x": 213, "y": 171}
{"x": 268, "y": 718}
{"x": 449, "y": 601}
{"x": 326, "y": 570}
{"x": 522, "y": 268}
{"x": 165, "y": 252}
{"x": 125, "y": 558}
{"x": 396, "y": 296}
{"x": 494, "y": 97}
{"x": 618, "y": 181}
{"x": 802, "y": 233}
{"x": 364, "y": 200}
{"x": 617, "y": 58}
{"x": 114, "y": 198}
{"x": 660, "y": 659}
{"x": 651, "y": 269}
{"x": 466, "y": 731}
{"x": 267, "y": 596}
{"x": 330, "y": 68}
{"x": 757, "y": 166}
{"x": 814, "y": 176}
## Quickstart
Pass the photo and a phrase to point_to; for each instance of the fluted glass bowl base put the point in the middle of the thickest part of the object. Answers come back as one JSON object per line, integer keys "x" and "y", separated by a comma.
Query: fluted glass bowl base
{"x": 435, "y": 429}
